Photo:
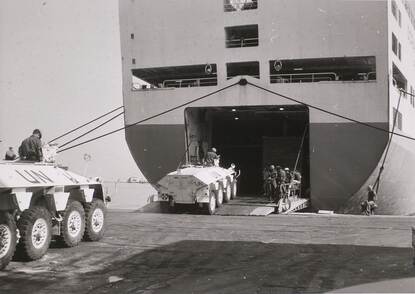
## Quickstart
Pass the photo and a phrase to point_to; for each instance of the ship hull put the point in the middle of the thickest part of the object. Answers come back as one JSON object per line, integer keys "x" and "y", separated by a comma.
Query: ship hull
{"x": 342, "y": 157}
{"x": 396, "y": 185}
{"x": 292, "y": 78}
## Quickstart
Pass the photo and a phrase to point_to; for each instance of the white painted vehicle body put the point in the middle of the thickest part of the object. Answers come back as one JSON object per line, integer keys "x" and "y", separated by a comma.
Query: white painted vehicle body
{"x": 20, "y": 182}
{"x": 40, "y": 200}
{"x": 193, "y": 184}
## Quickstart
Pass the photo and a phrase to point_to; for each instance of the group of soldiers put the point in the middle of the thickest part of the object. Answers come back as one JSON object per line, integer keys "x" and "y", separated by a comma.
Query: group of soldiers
{"x": 277, "y": 181}
{"x": 369, "y": 206}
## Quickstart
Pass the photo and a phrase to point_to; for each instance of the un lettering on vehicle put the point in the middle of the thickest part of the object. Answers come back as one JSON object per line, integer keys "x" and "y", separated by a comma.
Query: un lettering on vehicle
{"x": 34, "y": 177}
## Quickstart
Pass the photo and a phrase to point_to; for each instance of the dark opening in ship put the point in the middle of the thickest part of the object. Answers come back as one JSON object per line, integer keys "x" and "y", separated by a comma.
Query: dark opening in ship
{"x": 252, "y": 137}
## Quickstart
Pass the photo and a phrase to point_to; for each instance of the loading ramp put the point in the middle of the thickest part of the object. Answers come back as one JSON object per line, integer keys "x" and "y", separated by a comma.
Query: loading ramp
{"x": 297, "y": 205}
{"x": 259, "y": 206}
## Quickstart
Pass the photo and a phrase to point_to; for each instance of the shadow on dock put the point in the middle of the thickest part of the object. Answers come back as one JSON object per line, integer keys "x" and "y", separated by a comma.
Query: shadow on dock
{"x": 235, "y": 267}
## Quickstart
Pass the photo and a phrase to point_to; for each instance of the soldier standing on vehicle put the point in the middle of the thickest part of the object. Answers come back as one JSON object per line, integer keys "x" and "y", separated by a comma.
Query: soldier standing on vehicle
{"x": 212, "y": 157}
{"x": 10, "y": 155}
{"x": 31, "y": 147}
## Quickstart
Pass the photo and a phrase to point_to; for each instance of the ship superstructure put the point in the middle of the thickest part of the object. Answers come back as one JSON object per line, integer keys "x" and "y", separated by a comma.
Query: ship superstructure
{"x": 346, "y": 57}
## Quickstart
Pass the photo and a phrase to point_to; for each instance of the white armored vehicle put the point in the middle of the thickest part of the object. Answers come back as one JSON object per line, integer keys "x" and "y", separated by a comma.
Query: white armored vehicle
{"x": 41, "y": 200}
{"x": 205, "y": 186}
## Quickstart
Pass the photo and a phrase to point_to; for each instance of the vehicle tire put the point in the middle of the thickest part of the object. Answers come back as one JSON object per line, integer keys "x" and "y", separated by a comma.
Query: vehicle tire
{"x": 219, "y": 197}
{"x": 95, "y": 220}
{"x": 211, "y": 206}
{"x": 284, "y": 205}
{"x": 73, "y": 224}
{"x": 8, "y": 239}
{"x": 234, "y": 189}
{"x": 227, "y": 195}
{"x": 35, "y": 227}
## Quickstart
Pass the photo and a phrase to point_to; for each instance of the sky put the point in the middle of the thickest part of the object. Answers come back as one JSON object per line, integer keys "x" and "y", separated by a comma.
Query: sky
{"x": 60, "y": 66}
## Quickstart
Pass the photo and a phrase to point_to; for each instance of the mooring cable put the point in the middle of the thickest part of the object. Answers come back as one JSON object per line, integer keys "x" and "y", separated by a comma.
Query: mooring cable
{"x": 301, "y": 146}
{"x": 149, "y": 118}
{"x": 241, "y": 82}
{"x": 331, "y": 113}
{"x": 91, "y": 130}
{"x": 377, "y": 182}
{"x": 84, "y": 125}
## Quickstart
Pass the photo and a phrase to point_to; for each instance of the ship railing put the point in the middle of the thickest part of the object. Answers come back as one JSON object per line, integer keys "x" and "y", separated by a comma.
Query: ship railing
{"x": 232, "y": 76}
{"x": 371, "y": 75}
{"x": 237, "y": 5}
{"x": 138, "y": 87}
{"x": 367, "y": 76}
{"x": 187, "y": 83}
{"x": 241, "y": 42}
{"x": 304, "y": 77}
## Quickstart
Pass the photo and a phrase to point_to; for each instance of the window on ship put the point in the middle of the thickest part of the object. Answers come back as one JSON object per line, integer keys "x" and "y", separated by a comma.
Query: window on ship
{"x": 312, "y": 70}
{"x": 399, "y": 80}
{"x": 200, "y": 75}
{"x": 396, "y": 46}
{"x": 249, "y": 68}
{"x": 241, "y": 36}
{"x": 238, "y": 5}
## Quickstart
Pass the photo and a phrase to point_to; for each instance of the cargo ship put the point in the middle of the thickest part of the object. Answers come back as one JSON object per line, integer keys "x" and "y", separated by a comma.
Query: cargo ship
{"x": 310, "y": 85}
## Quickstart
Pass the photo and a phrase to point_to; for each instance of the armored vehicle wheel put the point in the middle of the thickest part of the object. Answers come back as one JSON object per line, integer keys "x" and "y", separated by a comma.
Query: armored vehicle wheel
{"x": 234, "y": 189}
{"x": 219, "y": 197}
{"x": 211, "y": 206}
{"x": 8, "y": 239}
{"x": 35, "y": 233}
{"x": 73, "y": 224}
{"x": 95, "y": 220}
{"x": 228, "y": 193}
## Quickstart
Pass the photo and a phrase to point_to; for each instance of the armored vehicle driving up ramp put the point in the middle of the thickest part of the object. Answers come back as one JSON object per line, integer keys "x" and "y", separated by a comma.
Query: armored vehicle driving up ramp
{"x": 206, "y": 186}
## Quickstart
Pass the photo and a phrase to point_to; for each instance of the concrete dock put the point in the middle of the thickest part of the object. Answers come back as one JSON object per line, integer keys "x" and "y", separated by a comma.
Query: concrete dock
{"x": 190, "y": 253}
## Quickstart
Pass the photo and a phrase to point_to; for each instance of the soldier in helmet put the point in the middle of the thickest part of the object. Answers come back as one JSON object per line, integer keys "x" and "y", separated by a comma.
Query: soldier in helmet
{"x": 10, "y": 155}
{"x": 288, "y": 175}
{"x": 31, "y": 147}
{"x": 369, "y": 206}
{"x": 271, "y": 182}
{"x": 281, "y": 177}
{"x": 212, "y": 157}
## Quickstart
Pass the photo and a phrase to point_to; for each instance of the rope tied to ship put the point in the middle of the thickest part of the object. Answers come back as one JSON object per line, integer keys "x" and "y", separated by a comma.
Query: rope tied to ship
{"x": 84, "y": 125}
{"x": 149, "y": 118}
{"x": 91, "y": 130}
{"x": 243, "y": 82}
{"x": 331, "y": 112}
{"x": 382, "y": 167}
